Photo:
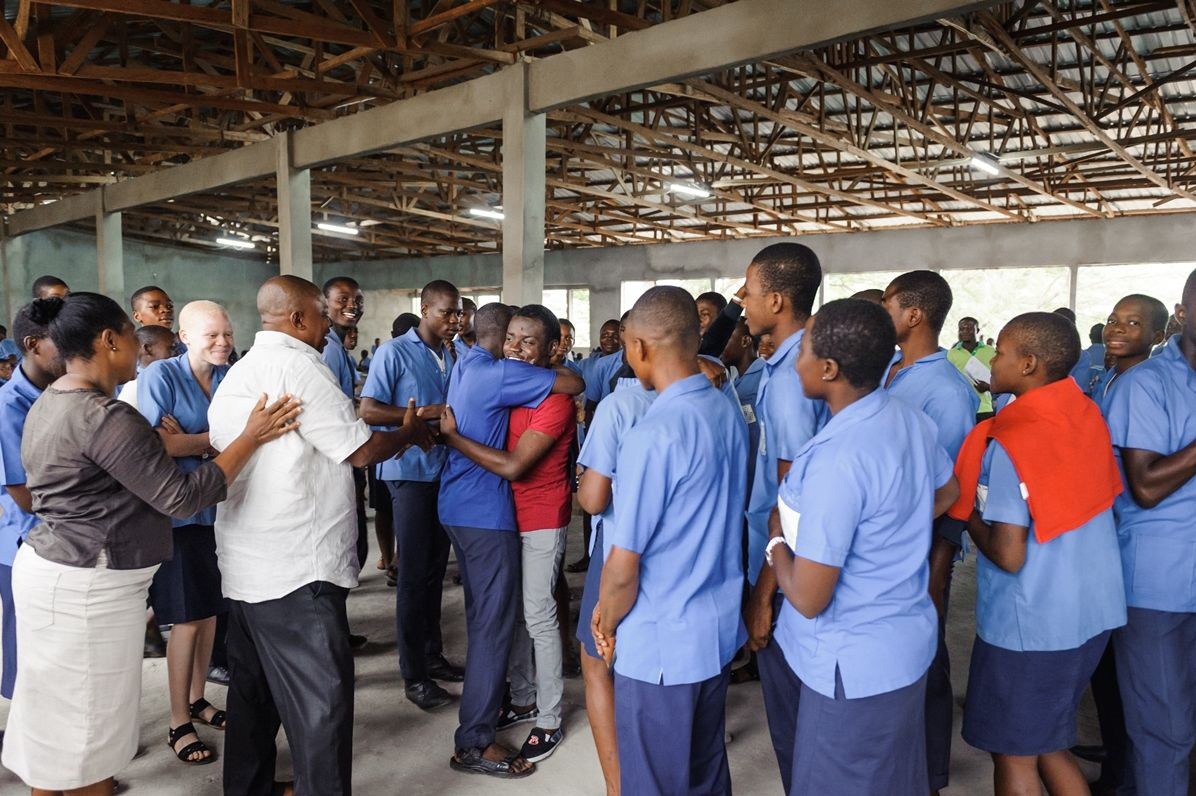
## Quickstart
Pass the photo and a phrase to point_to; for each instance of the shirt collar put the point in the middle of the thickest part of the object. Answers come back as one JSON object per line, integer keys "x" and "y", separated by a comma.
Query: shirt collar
{"x": 926, "y": 360}
{"x": 783, "y": 348}
{"x": 847, "y": 417}
{"x": 20, "y": 382}
{"x": 281, "y": 340}
{"x": 412, "y": 336}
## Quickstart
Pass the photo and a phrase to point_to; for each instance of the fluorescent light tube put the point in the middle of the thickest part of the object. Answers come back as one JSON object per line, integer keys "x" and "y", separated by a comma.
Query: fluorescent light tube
{"x": 985, "y": 164}
{"x": 689, "y": 190}
{"x": 483, "y": 212}
{"x": 235, "y": 243}
{"x": 337, "y": 228}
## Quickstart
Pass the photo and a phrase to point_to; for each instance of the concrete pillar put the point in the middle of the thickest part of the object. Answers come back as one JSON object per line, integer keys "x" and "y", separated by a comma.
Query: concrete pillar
{"x": 4, "y": 273}
{"x": 523, "y": 186}
{"x": 1073, "y": 285}
{"x": 604, "y": 305}
{"x": 294, "y": 214}
{"x": 110, "y": 251}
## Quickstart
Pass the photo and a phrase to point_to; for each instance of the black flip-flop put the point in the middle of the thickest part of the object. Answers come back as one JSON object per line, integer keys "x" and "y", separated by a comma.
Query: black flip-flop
{"x": 474, "y": 762}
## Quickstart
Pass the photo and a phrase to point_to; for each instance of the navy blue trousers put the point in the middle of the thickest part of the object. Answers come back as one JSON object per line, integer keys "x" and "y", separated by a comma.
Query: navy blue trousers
{"x": 490, "y": 566}
{"x": 672, "y": 738}
{"x": 8, "y": 643}
{"x": 421, "y": 552}
{"x": 940, "y": 704}
{"x": 1156, "y": 669}
{"x": 873, "y": 744}
{"x": 782, "y": 691}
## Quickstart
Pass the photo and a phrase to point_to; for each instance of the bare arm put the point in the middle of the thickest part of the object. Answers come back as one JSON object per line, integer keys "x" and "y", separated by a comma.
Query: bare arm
{"x": 1002, "y": 543}
{"x": 567, "y": 382}
{"x": 808, "y": 585}
{"x": 757, "y": 615}
{"x": 511, "y": 465}
{"x": 383, "y": 445}
{"x": 377, "y": 413}
{"x": 617, "y": 593}
{"x": 1154, "y": 477}
{"x": 945, "y": 496}
{"x": 594, "y": 492}
{"x": 20, "y": 495}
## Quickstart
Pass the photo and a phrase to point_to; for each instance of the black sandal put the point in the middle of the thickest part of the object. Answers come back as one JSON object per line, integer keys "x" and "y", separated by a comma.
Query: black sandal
{"x": 195, "y": 747}
{"x": 219, "y": 718}
{"x": 473, "y": 761}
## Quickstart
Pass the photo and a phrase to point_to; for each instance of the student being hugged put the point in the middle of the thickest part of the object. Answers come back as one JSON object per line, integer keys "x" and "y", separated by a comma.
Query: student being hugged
{"x": 850, "y": 551}
{"x": 1037, "y": 488}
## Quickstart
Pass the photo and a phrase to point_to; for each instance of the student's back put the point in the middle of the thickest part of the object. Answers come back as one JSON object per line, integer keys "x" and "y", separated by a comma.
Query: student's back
{"x": 936, "y": 387}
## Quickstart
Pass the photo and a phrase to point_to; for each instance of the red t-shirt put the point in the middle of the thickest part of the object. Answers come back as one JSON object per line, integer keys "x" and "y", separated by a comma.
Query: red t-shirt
{"x": 542, "y": 496}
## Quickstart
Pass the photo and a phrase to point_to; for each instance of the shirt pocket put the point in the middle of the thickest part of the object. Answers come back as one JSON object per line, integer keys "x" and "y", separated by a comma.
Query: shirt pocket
{"x": 1163, "y": 566}
{"x": 37, "y": 608}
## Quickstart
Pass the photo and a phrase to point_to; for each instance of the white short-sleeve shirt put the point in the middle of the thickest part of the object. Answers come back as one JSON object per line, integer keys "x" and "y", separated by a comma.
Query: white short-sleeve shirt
{"x": 290, "y": 518}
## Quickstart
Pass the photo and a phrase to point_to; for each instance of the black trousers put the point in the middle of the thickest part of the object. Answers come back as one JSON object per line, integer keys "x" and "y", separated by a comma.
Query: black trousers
{"x": 291, "y": 665}
{"x": 422, "y": 550}
{"x": 363, "y": 533}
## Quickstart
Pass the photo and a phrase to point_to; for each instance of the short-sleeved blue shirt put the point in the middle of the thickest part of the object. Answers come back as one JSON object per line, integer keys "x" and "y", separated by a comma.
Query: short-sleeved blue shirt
{"x": 481, "y": 392}
{"x": 935, "y": 386}
{"x": 1153, "y": 408}
{"x": 598, "y": 375}
{"x": 16, "y": 397}
{"x": 612, "y": 420}
{"x": 8, "y": 348}
{"x": 747, "y": 387}
{"x": 1068, "y": 590}
{"x": 404, "y": 368}
{"x": 863, "y": 490}
{"x": 682, "y": 477}
{"x": 787, "y": 420}
{"x": 460, "y": 347}
{"x": 1089, "y": 368}
{"x": 168, "y": 387}
{"x": 340, "y": 362}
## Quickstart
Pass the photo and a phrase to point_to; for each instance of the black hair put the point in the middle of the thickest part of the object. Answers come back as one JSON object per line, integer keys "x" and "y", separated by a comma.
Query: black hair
{"x": 545, "y": 317}
{"x": 670, "y": 314}
{"x": 3, "y": 329}
{"x": 438, "y": 287}
{"x": 23, "y": 326}
{"x": 615, "y": 321}
{"x": 569, "y": 323}
{"x": 859, "y": 336}
{"x": 1189, "y": 287}
{"x": 45, "y": 282}
{"x": 492, "y": 319}
{"x": 1065, "y": 312}
{"x": 927, "y": 291}
{"x": 142, "y": 291}
{"x": 1155, "y": 310}
{"x": 1049, "y": 336}
{"x": 1096, "y": 333}
{"x": 468, "y": 304}
{"x": 717, "y": 299}
{"x": 975, "y": 322}
{"x": 403, "y": 324}
{"x": 873, "y": 294}
{"x": 148, "y": 335}
{"x": 74, "y": 322}
{"x": 340, "y": 280}
{"x": 792, "y": 270}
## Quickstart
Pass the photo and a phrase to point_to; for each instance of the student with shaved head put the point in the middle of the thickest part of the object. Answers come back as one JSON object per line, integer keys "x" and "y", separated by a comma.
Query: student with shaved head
{"x": 477, "y": 510}
{"x": 668, "y": 613}
{"x": 50, "y": 287}
{"x": 466, "y": 338}
{"x": 174, "y": 395}
{"x": 1152, "y": 417}
{"x": 286, "y": 538}
{"x": 416, "y": 365}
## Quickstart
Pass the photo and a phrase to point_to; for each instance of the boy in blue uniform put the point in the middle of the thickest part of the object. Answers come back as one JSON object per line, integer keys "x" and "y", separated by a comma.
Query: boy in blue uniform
{"x": 477, "y": 511}
{"x": 740, "y": 355}
{"x": 672, "y": 581}
{"x": 849, "y": 549}
{"x": 1037, "y": 485}
{"x": 417, "y": 365}
{"x": 782, "y": 283}
{"x": 465, "y": 337}
{"x": 1152, "y": 417}
{"x": 922, "y": 377}
{"x": 39, "y": 366}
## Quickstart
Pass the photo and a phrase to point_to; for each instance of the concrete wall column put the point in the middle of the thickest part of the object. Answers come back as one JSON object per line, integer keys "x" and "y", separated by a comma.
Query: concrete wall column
{"x": 523, "y": 187}
{"x": 294, "y": 214}
{"x": 604, "y": 305}
{"x": 110, "y": 255}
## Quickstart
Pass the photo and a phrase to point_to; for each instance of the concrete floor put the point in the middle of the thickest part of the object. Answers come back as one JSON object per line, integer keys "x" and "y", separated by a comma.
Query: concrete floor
{"x": 400, "y": 749}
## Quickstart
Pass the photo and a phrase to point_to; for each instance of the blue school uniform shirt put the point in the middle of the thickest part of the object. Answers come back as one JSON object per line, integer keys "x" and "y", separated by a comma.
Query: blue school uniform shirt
{"x": 1089, "y": 368}
{"x": 482, "y": 390}
{"x": 8, "y": 348}
{"x": 16, "y": 397}
{"x": 613, "y": 419}
{"x": 599, "y": 375}
{"x": 1068, "y": 590}
{"x": 403, "y": 368}
{"x": 682, "y": 477}
{"x": 787, "y": 420}
{"x": 935, "y": 386}
{"x": 1153, "y": 408}
{"x": 747, "y": 387}
{"x": 340, "y": 362}
{"x": 460, "y": 347}
{"x": 863, "y": 489}
{"x": 168, "y": 387}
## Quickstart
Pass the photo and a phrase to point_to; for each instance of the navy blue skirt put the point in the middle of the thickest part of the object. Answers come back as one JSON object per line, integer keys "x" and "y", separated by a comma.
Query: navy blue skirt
{"x": 1025, "y": 703}
{"x": 187, "y": 587}
{"x": 589, "y": 594}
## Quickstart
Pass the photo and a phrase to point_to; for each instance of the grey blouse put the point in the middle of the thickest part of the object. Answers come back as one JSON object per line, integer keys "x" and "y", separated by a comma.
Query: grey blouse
{"x": 102, "y": 480}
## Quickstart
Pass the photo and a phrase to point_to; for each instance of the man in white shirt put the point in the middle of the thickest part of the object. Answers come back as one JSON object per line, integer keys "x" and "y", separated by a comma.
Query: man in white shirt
{"x": 285, "y": 539}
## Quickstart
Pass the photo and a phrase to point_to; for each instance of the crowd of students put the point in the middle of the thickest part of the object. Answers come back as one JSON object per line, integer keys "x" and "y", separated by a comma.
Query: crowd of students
{"x": 764, "y": 488}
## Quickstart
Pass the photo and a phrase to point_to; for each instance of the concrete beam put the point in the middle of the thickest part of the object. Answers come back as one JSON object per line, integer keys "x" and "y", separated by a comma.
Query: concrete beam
{"x": 207, "y": 174}
{"x": 294, "y": 213}
{"x": 65, "y": 211}
{"x": 110, "y": 254}
{"x": 441, "y": 112}
{"x": 750, "y": 30}
{"x": 523, "y": 186}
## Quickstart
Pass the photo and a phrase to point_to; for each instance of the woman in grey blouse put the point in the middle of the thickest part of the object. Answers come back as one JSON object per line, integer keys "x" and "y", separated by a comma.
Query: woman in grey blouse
{"x": 104, "y": 490}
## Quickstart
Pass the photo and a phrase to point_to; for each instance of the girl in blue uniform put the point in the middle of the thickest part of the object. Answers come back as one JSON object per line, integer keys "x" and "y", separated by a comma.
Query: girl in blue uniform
{"x": 174, "y": 395}
{"x": 850, "y": 553}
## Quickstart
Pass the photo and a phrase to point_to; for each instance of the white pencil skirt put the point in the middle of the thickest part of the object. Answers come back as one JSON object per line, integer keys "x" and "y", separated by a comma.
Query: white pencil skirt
{"x": 74, "y": 716}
